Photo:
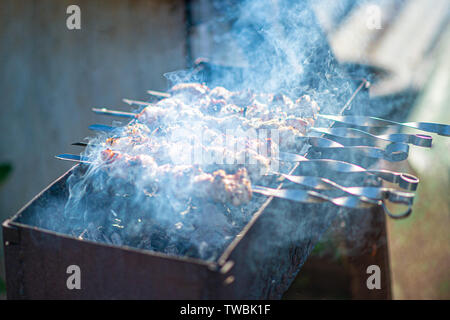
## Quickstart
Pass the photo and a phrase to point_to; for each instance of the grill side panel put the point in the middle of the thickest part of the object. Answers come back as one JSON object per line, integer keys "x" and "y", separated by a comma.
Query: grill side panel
{"x": 269, "y": 256}
{"x": 36, "y": 264}
{"x": 37, "y": 269}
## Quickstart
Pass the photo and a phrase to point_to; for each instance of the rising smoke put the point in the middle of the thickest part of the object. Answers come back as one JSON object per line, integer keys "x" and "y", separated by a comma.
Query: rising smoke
{"x": 143, "y": 202}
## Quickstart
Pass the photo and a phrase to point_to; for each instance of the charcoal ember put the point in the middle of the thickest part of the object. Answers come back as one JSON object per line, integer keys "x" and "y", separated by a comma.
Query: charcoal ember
{"x": 189, "y": 250}
{"x": 172, "y": 249}
{"x": 159, "y": 239}
{"x": 144, "y": 243}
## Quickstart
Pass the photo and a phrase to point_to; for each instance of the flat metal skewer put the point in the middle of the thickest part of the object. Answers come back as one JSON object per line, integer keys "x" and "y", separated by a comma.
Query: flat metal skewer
{"x": 403, "y": 180}
{"x": 351, "y": 202}
{"x": 374, "y": 122}
{"x": 306, "y": 196}
{"x": 352, "y": 134}
{"x": 105, "y": 111}
{"x": 103, "y": 128}
{"x": 295, "y": 195}
{"x": 73, "y": 157}
{"x": 159, "y": 94}
{"x": 80, "y": 144}
{"x": 376, "y": 193}
{"x": 343, "y": 133}
{"x": 394, "y": 152}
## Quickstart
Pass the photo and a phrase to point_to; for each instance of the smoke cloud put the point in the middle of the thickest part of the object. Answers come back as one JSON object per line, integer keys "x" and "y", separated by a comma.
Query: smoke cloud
{"x": 128, "y": 196}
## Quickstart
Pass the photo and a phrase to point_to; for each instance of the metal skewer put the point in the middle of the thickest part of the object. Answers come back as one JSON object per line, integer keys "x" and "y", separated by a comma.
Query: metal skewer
{"x": 103, "y": 128}
{"x": 306, "y": 196}
{"x": 375, "y": 193}
{"x": 109, "y": 112}
{"x": 351, "y": 202}
{"x": 356, "y": 136}
{"x": 80, "y": 144}
{"x": 73, "y": 157}
{"x": 357, "y": 200}
{"x": 403, "y": 180}
{"x": 159, "y": 94}
{"x": 373, "y": 122}
{"x": 394, "y": 152}
{"x": 317, "y": 166}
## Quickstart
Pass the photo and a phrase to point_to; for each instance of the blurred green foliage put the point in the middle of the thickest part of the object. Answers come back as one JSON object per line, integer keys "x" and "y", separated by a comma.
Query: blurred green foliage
{"x": 2, "y": 286}
{"x": 5, "y": 171}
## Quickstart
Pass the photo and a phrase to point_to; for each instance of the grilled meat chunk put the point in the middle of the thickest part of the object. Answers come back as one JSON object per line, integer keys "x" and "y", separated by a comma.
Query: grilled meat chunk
{"x": 225, "y": 188}
{"x": 185, "y": 180}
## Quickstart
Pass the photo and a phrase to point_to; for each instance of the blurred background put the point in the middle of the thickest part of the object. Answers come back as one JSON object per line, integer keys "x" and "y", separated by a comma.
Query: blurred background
{"x": 51, "y": 77}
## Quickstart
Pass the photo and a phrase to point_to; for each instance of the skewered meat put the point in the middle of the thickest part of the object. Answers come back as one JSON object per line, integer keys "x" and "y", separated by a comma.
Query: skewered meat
{"x": 159, "y": 147}
{"x": 225, "y": 188}
{"x": 220, "y": 93}
{"x": 185, "y": 180}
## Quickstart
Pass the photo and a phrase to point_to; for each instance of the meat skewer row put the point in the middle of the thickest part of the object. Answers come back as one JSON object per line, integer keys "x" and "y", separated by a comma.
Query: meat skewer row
{"x": 222, "y": 102}
{"x": 195, "y": 105}
{"x": 289, "y": 129}
{"x": 250, "y": 153}
{"x": 189, "y": 180}
{"x": 256, "y": 105}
